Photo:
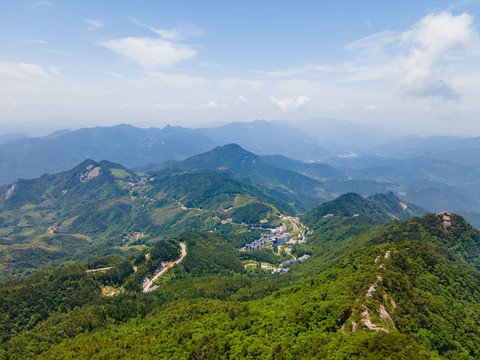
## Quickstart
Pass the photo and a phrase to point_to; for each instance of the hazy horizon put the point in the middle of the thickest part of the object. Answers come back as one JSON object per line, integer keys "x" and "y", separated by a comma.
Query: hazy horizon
{"x": 407, "y": 66}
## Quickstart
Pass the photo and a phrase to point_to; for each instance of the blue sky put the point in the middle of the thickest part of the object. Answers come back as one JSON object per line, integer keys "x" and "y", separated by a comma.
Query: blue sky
{"x": 412, "y": 64}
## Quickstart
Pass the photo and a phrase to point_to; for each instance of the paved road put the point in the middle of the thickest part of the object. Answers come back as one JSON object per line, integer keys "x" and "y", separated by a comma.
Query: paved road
{"x": 149, "y": 285}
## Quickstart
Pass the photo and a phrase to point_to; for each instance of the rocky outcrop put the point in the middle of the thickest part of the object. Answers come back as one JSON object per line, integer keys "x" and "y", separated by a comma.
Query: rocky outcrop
{"x": 92, "y": 172}
{"x": 445, "y": 219}
{"x": 365, "y": 309}
{"x": 9, "y": 192}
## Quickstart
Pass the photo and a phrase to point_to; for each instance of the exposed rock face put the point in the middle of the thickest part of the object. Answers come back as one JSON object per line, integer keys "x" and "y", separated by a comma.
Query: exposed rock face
{"x": 365, "y": 310}
{"x": 9, "y": 192}
{"x": 52, "y": 229}
{"x": 445, "y": 219}
{"x": 92, "y": 172}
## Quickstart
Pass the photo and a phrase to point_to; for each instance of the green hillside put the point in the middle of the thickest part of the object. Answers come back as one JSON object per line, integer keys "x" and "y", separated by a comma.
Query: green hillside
{"x": 304, "y": 185}
{"x": 235, "y": 160}
{"x": 412, "y": 296}
{"x": 378, "y": 207}
{"x": 101, "y": 208}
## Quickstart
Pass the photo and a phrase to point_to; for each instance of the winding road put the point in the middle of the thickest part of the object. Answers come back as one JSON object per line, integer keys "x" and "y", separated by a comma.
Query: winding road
{"x": 149, "y": 285}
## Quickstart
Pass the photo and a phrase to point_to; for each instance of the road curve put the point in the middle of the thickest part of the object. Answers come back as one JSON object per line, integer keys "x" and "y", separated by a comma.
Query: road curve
{"x": 149, "y": 285}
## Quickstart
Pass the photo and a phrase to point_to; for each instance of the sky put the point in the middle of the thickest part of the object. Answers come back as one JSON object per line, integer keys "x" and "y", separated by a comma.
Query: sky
{"x": 410, "y": 65}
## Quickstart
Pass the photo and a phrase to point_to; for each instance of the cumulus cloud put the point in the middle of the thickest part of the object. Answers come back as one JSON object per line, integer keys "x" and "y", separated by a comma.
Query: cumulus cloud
{"x": 150, "y": 53}
{"x": 93, "y": 24}
{"x": 431, "y": 43}
{"x": 419, "y": 58}
{"x": 154, "y": 53}
{"x": 241, "y": 101}
{"x": 26, "y": 71}
{"x": 210, "y": 105}
{"x": 289, "y": 103}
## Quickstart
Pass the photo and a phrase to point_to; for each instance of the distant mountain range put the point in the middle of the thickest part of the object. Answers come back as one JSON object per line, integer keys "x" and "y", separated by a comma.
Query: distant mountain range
{"x": 128, "y": 145}
{"x": 266, "y": 137}
{"x": 437, "y": 173}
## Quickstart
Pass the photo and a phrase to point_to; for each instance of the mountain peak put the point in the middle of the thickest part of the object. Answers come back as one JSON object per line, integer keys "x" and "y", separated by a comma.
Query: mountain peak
{"x": 379, "y": 207}
{"x": 232, "y": 147}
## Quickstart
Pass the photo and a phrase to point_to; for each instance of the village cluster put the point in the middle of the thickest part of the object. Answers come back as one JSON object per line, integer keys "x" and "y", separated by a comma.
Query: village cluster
{"x": 277, "y": 236}
{"x": 284, "y": 265}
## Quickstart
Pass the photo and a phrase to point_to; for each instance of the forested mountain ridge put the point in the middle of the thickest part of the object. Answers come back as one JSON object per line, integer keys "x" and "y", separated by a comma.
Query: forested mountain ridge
{"x": 234, "y": 159}
{"x": 379, "y": 207}
{"x": 102, "y": 208}
{"x": 411, "y": 296}
{"x": 308, "y": 189}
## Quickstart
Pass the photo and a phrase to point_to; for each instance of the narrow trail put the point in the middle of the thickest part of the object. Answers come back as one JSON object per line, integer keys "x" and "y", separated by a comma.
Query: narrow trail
{"x": 149, "y": 285}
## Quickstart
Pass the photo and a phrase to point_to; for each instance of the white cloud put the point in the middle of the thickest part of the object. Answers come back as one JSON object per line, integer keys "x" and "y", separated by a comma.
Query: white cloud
{"x": 168, "y": 34}
{"x": 178, "y": 33}
{"x": 418, "y": 59}
{"x": 26, "y": 71}
{"x": 374, "y": 43}
{"x": 430, "y": 43}
{"x": 211, "y": 105}
{"x": 38, "y": 4}
{"x": 290, "y": 103}
{"x": 150, "y": 53}
{"x": 14, "y": 103}
{"x": 371, "y": 107}
{"x": 93, "y": 24}
{"x": 241, "y": 101}
{"x": 54, "y": 70}
{"x": 36, "y": 41}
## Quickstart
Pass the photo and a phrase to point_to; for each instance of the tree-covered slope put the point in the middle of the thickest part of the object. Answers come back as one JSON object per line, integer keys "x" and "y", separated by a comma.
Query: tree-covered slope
{"x": 101, "y": 208}
{"x": 379, "y": 207}
{"x": 234, "y": 159}
{"x": 405, "y": 298}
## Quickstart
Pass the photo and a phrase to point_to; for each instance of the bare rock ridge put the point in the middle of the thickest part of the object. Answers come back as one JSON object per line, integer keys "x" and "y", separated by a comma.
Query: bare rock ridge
{"x": 367, "y": 302}
{"x": 445, "y": 219}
